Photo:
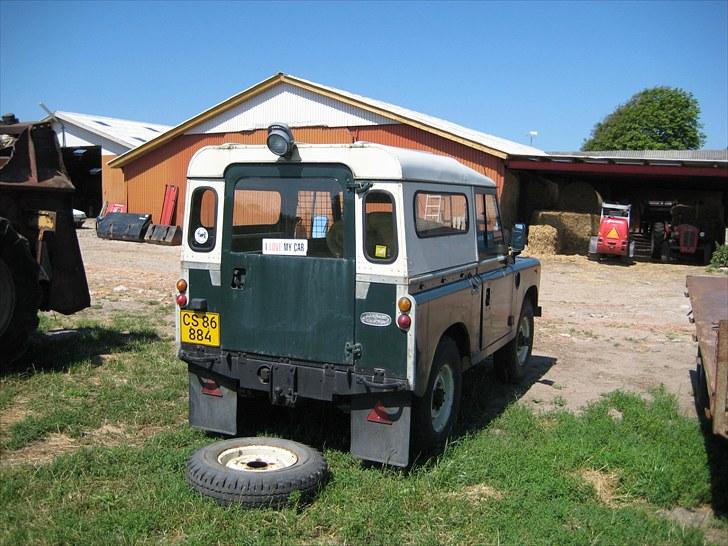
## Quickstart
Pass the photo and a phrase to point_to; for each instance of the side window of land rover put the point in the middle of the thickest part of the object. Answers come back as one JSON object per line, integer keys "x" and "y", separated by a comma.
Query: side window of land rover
{"x": 488, "y": 226}
{"x": 380, "y": 227}
{"x": 438, "y": 214}
{"x": 203, "y": 214}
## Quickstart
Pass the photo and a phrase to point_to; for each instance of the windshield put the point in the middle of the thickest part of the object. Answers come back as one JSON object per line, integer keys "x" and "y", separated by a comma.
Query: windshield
{"x": 276, "y": 210}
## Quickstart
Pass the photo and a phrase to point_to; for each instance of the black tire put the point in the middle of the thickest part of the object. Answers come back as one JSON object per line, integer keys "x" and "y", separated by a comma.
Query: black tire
{"x": 593, "y": 256}
{"x": 656, "y": 239}
{"x": 21, "y": 300}
{"x": 511, "y": 359}
{"x": 665, "y": 252}
{"x": 256, "y": 472}
{"x": 707, "y": 253}
{"x": 436, "y": 412}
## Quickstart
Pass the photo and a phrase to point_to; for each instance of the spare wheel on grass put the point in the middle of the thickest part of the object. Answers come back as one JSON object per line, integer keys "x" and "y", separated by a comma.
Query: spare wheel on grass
{"x": 256, "y": 471}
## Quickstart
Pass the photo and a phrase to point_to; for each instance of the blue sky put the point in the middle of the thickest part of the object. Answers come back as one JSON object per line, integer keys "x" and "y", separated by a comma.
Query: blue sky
{"x": 504, "y": 68}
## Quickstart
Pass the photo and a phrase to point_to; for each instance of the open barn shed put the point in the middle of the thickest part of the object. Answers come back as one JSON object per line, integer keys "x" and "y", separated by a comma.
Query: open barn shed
{"x": 652, "y": 181}
{"x": 88, "y": 142}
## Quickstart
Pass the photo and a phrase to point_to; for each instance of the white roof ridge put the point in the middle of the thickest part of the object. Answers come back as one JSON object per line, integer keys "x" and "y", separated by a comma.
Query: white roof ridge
{"x": 127, "y": 133}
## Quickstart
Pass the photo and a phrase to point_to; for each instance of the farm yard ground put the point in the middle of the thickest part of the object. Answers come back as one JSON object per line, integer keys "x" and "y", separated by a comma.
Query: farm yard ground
{"x": 93, "y": 433}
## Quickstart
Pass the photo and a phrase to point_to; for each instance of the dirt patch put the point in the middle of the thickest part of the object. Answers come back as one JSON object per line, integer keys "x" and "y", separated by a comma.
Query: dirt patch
{"x": 702, "y": 518}
{"x": 477, "y": 493}
{"x": 108, "y": 435}
{"x": 612, "y": 327}
{"x": 605, "y": 485}
{"x": 13, "y": 414}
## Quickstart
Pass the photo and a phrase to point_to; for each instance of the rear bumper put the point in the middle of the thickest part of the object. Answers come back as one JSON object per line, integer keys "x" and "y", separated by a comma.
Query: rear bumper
{"x": 286, "y": 380}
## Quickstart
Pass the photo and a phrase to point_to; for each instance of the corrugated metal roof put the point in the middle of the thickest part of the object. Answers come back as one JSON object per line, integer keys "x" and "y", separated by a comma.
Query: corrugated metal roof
{"x": 125, "y": 132}
{"x": 495, "y": 145}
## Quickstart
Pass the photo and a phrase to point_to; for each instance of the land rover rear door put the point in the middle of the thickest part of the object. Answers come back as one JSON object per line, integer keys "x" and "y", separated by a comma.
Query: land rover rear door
{"x": 288, "y": 263}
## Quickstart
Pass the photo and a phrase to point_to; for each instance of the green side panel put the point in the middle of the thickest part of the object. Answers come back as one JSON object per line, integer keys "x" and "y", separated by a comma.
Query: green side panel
{"x": 201, "y": 288}
{"x": 382, "y": 346}
{"x": 289, "y": 307}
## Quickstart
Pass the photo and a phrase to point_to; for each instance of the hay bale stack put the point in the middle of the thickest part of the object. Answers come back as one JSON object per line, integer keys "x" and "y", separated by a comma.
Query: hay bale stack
{"x": 574, "y": 229}
{"x": 579, "y": 197}
{"x": 543, "y": 240}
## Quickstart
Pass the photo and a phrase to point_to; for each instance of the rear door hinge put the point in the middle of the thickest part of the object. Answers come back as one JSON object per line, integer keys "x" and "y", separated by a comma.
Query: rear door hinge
{"x": 358, "y": 186}
{"x": 352, "y": 352}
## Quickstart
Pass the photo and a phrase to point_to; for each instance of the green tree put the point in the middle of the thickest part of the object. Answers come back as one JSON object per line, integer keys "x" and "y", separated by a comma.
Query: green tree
{"x": 661, "y": 118}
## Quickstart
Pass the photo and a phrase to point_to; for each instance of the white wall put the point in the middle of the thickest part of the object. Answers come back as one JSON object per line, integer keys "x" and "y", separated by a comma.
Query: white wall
{"x": 288, "y": 104}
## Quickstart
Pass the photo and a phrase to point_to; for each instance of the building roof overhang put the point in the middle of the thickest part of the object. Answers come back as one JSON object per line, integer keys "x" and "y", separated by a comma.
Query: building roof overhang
{"x": 689, "y": 163}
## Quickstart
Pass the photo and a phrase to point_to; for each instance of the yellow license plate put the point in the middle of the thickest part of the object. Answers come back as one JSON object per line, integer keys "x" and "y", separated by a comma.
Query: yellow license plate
{"x": 200, "y": 328}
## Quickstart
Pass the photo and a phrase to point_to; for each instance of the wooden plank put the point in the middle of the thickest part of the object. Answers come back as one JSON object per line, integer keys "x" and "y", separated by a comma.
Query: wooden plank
{"x": 719, "y": 409}
{"x": 709, "y": 301}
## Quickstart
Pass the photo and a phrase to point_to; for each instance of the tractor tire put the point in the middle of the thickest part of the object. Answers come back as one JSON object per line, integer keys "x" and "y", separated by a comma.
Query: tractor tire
{"x": 666, "y": 252}
{"x": 707, "y": 253}
{"x": 20, "y": 293}
{"x": 511, "y": 359}
{"x": 256, "y": 472}
{"x": 435, "y": 413}
{"x": 657, "y": 237}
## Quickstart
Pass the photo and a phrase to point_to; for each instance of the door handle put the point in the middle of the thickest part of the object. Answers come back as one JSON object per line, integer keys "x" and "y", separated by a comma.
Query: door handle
{"x": 475, "y": 282}
{"x": 238, "y": 281}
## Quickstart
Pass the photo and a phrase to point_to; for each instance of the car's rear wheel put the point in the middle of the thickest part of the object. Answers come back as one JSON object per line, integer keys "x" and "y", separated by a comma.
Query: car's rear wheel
{"x": 435, "y": 413}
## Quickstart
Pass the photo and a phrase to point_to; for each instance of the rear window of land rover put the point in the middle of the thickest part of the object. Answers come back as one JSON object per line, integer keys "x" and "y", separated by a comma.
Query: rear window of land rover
{"x": 297, "y": 216}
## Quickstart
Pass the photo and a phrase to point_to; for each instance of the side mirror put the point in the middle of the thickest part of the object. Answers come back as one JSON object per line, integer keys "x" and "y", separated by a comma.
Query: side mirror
{"x": 518, "y": 238}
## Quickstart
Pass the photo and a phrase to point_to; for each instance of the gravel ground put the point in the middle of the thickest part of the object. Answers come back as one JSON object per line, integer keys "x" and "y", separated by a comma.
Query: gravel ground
{"x": 604, "y": 326}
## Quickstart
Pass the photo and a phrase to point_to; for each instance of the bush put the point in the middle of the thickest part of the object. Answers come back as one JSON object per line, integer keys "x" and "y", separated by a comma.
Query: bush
{"x": 720, "y": 257}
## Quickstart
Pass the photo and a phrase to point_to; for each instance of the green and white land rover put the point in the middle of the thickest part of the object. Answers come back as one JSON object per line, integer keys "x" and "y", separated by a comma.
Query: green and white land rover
{"x": 364, "y": 275}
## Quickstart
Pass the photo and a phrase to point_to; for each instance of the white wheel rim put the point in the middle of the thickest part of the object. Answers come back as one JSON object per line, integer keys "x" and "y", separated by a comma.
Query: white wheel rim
{"x": 443, "y": 395}
{"x": 524, "y": 340}
{"x": 257, "y": 458}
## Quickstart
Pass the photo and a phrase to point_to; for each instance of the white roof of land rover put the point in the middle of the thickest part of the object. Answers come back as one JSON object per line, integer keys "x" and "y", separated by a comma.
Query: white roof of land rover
{"x": 367, "y": 161}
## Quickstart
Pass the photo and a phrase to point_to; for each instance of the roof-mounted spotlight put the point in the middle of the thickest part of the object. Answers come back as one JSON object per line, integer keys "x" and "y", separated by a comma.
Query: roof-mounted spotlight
{"x": 280, "y": 139}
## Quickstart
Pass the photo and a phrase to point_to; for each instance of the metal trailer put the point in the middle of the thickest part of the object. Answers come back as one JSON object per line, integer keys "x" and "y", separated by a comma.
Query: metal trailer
{"x": 41, "y": 267}
{"x": 709, "y": 301}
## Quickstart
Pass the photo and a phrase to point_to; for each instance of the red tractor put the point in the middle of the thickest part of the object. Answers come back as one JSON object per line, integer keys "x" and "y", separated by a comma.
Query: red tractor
{"x": 613, "y": 239}
{"x": 680, "y": 236}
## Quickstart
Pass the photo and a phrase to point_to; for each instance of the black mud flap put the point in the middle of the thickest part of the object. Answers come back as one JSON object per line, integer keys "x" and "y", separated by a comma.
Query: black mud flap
{"x": 123, "y": 226}
{"x": 380, "y": 427}
{"x": 213, "y": 406}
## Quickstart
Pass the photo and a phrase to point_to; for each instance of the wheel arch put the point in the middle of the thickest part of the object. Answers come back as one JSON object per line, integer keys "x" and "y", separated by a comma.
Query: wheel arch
{"x": 459, "y": 333}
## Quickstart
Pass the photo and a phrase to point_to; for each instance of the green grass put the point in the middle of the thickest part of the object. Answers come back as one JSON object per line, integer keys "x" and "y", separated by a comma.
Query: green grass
{"x": 516, "y": 478}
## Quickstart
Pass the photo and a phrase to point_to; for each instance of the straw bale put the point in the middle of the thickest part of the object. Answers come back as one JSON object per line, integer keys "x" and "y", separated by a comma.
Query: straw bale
{"x": 538, "y": 194}
{"x": 574, "y": 229}
{"x": 579, "y": 197}
{"x": 543, "y": 239}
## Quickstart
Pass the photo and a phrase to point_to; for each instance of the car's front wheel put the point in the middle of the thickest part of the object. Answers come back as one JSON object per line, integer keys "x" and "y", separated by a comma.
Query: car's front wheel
{"x": 511, "y": 359}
